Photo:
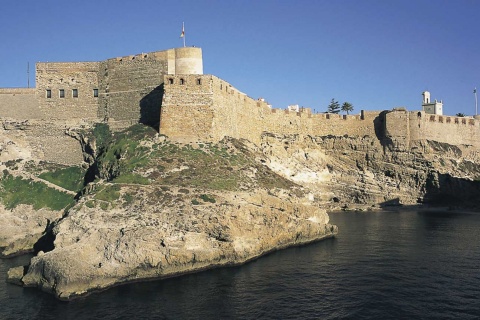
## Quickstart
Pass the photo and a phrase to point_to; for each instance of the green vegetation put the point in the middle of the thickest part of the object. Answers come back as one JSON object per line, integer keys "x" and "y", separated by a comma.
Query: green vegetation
{"x": 70, "y": 178}
{"x": 131, "y": 178}
{"x": 207, "y": 198}
{"x": 102, "y": 135}
{"x": 347, "y": 107}
{"x": 333, "y": 107}
{"x": 124, "y": 154}
{"x": 128, "y": 198}
{"x": 90, "y": 204}
{"x": 108, "y": 193}
{"x": 16, "y": 190}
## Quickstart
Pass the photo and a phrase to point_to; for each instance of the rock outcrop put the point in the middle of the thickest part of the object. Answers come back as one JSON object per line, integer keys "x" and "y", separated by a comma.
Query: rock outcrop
{"x": 360, "y": 172}
{"x": 161, "y": 234}
{"x": 22, "y": 227}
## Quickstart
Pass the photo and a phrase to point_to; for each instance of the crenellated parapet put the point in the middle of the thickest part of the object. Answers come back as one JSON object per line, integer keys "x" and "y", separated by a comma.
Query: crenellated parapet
{"x": 207, "y": 108}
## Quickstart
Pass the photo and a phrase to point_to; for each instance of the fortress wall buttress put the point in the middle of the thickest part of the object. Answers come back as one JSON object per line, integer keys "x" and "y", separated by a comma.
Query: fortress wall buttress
{"x": 186, "y": 111}
{"x": 65, "y": 90}
{"x": 131, "y": 88}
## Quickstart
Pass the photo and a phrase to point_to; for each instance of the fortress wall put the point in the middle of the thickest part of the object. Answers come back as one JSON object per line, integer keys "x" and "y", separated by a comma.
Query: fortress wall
{"x": 131, "y": 87}
{"x": 447, "y": 129}
{"x": 67, "y": 76}
{"x": 339, "y": 125}
{"x": 218, "y": 109}
{"x": 236, "y": 114}
{"x": 18, "y": 103}
{"x": 186, "y": 111}
{"x": 46, "y": 141}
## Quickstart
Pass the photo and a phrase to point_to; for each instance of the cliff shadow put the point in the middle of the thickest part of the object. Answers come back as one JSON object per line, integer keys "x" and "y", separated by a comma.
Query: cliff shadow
{"x": 150, "y": 107}
{"x": 390, "y": 203}
{"x": 379, "y": 126}
{"x": 445, "y": 190}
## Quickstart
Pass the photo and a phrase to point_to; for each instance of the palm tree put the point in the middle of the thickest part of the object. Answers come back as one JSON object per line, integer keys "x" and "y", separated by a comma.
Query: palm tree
{"x": 347, "y": 107}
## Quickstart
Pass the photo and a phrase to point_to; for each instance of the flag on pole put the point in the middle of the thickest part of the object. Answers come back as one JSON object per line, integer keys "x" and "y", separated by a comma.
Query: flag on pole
{"x": 475, "y": 90}
{"x": 183, "y": 31}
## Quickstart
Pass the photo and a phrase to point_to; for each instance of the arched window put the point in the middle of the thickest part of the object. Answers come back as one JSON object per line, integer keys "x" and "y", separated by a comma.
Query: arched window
{"x": 170, "y": 80}
{"x": 199, "y": 81}
{"x": 182, "y": 81}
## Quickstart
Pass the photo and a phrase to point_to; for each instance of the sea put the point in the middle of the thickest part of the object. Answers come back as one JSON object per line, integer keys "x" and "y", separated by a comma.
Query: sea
{"x": 398, "y": 264}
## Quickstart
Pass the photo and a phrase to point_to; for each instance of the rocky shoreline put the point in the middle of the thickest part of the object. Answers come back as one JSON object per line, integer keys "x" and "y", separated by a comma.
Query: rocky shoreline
{"x": 150, "y": 208}
{"x": 94, "y": 251}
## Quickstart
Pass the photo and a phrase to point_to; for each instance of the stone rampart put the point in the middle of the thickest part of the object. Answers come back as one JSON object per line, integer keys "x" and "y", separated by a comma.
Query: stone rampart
{"x": 18, "y": 103}
{"x": 447, "y": 129}
{"x": 45, "y": 140}
{"x": 204, "y": 107}
{"x": 131, "y": 87}
{"x": 66, "y": 90}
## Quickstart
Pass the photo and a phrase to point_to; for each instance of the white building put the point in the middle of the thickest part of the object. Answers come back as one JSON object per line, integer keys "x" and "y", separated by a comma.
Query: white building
{"x": 435, "y": 107}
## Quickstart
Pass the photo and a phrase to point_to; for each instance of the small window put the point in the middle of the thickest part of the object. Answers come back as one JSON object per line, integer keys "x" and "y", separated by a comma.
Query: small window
{"x": 49, "y": 93}
{"x": 62, "y": 93}
{"x": 75, "y": 93}
{"x": 170, "y": 80}
{"x": 95, "y": 93}
{"x": 182, "y": 81}
{"x": 199, "y": 81}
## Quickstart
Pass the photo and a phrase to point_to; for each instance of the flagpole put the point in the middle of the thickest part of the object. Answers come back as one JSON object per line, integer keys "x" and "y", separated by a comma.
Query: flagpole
{"x": 476, "y": 102}
{"x": 183, "y": 32}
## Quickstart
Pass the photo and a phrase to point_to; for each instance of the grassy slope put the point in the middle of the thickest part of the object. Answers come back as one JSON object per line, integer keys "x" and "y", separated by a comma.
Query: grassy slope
{"x": 136, "y": 156}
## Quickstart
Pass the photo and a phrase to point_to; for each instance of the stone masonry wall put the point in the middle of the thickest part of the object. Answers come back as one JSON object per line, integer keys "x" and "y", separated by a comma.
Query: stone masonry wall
{"x": 131, "y": 88}
{"x": 67, "y": 76}
{"x": 18, "y": 103}
{"x": 208, "y": 108}
{"x": 44, "y": 140}
{"x": 186, "y": 111}
{"x": 447, "y": 129}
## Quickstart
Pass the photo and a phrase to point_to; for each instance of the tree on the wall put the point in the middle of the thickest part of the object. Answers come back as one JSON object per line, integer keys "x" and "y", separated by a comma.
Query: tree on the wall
{"x": 333, "y": 107}
{"x": 347, "y": 107}
{"x": 460, "y": 114}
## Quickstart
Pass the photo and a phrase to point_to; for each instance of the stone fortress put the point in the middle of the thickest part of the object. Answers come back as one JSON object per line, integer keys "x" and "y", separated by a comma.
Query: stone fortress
{"x": 168, "y": 90}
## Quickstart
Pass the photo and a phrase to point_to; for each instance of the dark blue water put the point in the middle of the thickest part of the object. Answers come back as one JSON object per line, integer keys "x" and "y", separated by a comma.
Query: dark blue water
{"x": 382, "y": 265}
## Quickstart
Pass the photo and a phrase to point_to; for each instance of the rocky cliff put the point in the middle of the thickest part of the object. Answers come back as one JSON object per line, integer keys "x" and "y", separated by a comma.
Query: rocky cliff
{"x": 345, "y": 172}
{"x": 153, "y": 208}
{"x": 149, "y": 207}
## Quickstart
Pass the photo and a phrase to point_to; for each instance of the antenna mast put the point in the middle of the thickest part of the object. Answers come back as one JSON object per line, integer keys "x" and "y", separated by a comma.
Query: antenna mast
{"x": 28, "y": 74}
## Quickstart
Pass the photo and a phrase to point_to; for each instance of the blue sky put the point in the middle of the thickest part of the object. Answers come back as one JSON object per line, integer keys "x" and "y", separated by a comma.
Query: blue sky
{"x": 375, "y": 54}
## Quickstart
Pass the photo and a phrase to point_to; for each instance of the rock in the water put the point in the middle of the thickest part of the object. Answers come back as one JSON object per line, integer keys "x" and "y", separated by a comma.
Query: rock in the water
{"x": 15, "y": 275}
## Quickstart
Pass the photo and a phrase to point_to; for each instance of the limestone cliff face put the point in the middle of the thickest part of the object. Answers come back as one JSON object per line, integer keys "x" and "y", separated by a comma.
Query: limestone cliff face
{"x": 22, "y": 227}
{"x": 162, "y": 234}
{"x": 349, "y": 172}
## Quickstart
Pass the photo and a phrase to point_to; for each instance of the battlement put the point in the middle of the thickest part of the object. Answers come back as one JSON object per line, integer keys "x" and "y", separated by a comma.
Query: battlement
{"x": 17, "y": 91}
{"x": 207, "y": 108}
{"x": 419, "y": 125}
